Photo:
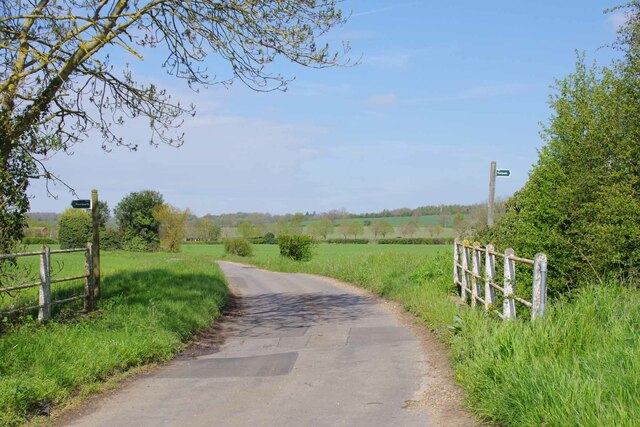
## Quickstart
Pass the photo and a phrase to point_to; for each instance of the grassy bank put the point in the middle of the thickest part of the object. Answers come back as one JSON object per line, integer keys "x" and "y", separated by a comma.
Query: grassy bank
{"x": 151, "y": 304}
{"x": 580, "y": 365}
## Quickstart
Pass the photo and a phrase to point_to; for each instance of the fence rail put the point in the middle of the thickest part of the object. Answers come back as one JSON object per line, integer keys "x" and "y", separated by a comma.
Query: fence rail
{"x": 469, "y": 277}
{"x": 44, "y": 285}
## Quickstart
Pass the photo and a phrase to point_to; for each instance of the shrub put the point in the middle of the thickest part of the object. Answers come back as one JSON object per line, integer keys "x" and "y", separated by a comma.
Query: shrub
{"x": 75, "y": 228}
{"x": 39, "y": 241}
{"x": 110, "y": 240}
{"x": 134, "y": 215}
{"x": 135, "y": 244}
{"x": 356, "y": 241}
{"x": 296, "y": 246}
{"x": 270, "y": 239}
{"x": 581, "y": 205}
{"x": 238, "y": 246}
{"x": 417, "y": 241}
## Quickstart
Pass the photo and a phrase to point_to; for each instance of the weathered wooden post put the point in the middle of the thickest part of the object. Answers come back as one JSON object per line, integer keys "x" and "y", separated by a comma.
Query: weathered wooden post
{"x": 88, "y": 281}
{"x": 539, "y": 301}
{"x": 492, "y": 193}
{"x": 95, "y": 215}
{"x": 476, "y": 273}
{"x": 456, "y": 261}
{"x": 44, "y": 290}
{"x": 489, "y": 277}
{"x": 509, "y": 304}
{"x": 465, "y": 267}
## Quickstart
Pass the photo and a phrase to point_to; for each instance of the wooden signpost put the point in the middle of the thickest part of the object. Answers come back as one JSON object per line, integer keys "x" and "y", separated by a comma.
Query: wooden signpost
{"x": 493, "y": 172}
{"x": 92, "y": 204}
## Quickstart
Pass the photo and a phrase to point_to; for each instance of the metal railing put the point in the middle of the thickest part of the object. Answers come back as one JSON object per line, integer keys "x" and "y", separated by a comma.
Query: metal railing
{"x": 469, "y": 272}
{"x": 44, "y": 285}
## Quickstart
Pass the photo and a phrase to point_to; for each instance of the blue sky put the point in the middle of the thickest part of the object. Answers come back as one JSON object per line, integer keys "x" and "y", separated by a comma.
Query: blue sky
{"x": 443, "y": 88}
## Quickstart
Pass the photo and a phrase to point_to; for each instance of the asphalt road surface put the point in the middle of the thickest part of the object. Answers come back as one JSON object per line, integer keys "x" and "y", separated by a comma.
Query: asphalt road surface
{"x": 304, "y": 352}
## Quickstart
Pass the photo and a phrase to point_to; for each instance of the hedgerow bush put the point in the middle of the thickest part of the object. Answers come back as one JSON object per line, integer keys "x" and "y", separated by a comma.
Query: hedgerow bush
{"x": 75, "y": 228}
{"x": 417, "y": 241}
{"x": 296, "y": 246}
{"x": 345, "y": 241}
{"x": 110, "y": 239}
{"x": 238, "y": 246}
{"x": 581, "y": 205}
{"x": 39, "y": 241}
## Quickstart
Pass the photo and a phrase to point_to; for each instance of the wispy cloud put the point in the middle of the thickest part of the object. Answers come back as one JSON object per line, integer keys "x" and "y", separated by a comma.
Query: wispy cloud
{"x": 384, "y": 9}
{"x": 617, "y": 20}
{"x": 382, "y": 100}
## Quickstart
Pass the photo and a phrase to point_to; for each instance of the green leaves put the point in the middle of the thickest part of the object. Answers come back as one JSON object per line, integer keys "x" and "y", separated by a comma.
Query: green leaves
{"x": 581, "y": 204}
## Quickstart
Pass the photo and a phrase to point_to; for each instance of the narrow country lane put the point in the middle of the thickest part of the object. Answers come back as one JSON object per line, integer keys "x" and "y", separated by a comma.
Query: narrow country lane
{"x": 304, "y": 352}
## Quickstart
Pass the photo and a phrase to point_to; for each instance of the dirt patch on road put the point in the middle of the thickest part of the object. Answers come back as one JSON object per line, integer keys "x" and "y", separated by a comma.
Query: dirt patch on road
{"x": 440, "y": 396}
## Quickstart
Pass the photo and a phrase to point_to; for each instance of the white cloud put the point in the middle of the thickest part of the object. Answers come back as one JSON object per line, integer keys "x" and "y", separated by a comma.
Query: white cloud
{"x": 228, "y": 163}
{"x": 617, "y": 19}
{"x": 381, "y": 100}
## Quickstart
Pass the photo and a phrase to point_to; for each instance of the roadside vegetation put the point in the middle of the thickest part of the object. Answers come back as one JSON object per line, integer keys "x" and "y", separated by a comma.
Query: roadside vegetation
{"x": 579, "y": 365}
{"x": 151, "y": 304}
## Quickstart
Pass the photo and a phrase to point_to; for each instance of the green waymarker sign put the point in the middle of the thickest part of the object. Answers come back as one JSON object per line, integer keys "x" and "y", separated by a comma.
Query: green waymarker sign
{"x": 81, "y": 204}
{"x": 503, "y": 172}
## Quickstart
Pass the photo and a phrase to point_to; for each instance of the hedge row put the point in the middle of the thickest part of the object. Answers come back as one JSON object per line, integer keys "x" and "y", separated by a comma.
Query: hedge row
{"x": 356, "y": 241}
{"x": 418, "y": 241}
{"x": 39, "y": 241}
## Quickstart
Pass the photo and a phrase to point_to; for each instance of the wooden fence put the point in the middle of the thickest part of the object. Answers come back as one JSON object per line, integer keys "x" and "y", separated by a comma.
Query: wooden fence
{"x": 44, "y": 285}
{"x": 469, "y": 272}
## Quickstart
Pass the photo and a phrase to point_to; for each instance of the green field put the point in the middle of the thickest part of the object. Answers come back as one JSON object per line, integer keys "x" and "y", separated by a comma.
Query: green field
{"x": 580, "y": 365}
{"x": 151, "y": 304}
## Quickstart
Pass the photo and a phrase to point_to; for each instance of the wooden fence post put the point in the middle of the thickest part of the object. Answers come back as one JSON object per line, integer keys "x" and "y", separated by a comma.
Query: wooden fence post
{"x": 465, "y": 276}
{"x": 88, "y": 281}
{"x": 539, "y": 285}
{"x": 509, "y": 304}
{"x": 44, "y": 290}
{"x": 456, "y": 261}
{"x": 489, "y": 277}
{"x": 95, "y": 215}
{"x": 474, "y": 276}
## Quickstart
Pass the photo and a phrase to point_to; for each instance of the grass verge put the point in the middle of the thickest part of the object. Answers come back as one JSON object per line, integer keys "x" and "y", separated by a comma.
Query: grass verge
{"x": 151, "y": 305}
{"x": 580, "y": 365}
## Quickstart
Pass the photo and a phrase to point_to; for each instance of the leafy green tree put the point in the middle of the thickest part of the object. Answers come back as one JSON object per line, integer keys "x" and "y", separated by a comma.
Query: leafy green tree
{"x": 381, "y": 227}
{"x": 104, "y": 213}
{"x": 408, "y": 229}
{"x": 321, "y": 228}
{"x": 295, "y": 225}
{"x": 458, "y": 223}
{"x": 173, "y": 226}
{"x": 75, "y": 228}
{"x": 59, "y": 83}
{"x": 434, "y": 229}
{"x": 134, "y": 214}
{"x": 207, "y": 230}
{"x": 581, "y": 205}
{"x": 354, "y": 228}
{"x": 247, "y": 230}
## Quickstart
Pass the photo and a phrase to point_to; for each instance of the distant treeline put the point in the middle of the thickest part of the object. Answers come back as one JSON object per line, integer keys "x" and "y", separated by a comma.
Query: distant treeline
{"x": 260, "y": 218}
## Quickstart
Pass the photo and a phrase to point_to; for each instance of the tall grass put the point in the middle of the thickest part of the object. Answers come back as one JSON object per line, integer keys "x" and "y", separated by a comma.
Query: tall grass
{"x": 579, "y": 365}
{"x": 151, "y": 304}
